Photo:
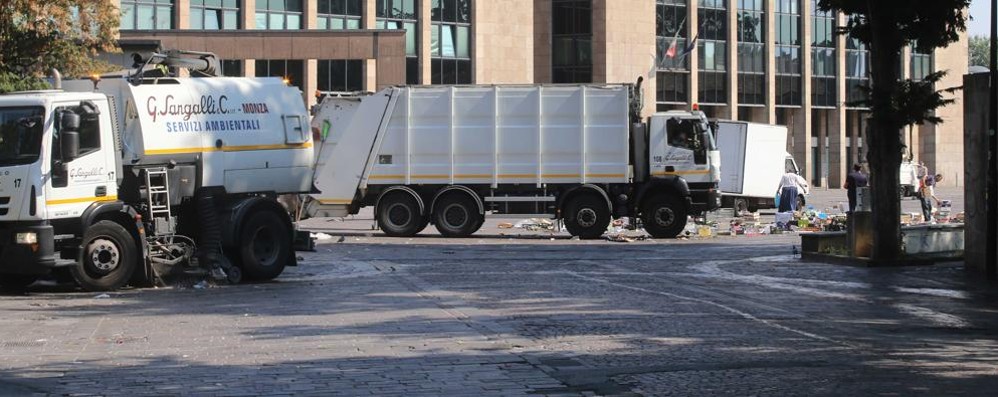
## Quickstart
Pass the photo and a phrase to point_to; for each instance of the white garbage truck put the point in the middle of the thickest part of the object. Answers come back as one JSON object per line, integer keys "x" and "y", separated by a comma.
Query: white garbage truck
{"x": 115, "y": 179}
{"x": 755, "y": 158}
{"x": 449, "y": 155}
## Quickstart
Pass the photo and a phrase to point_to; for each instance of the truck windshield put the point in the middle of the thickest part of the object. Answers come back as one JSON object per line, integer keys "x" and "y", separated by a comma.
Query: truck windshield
{"x": 20, "y": 134}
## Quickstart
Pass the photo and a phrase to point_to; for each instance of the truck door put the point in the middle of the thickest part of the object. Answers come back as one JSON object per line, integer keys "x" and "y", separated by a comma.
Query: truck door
{"x": 74, "y": 185}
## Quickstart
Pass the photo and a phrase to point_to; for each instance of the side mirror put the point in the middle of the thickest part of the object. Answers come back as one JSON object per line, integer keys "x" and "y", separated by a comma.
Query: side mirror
{"x": 69, "y": 137}
{"x": 70, "y": 145}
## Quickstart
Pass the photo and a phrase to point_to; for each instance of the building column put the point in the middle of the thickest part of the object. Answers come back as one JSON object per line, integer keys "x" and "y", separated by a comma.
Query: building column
{"x": 692, "y": 22}
{"x": 837, "y": 137}
{"x": 771, "y": 61}
{"x": 837, "y": 167}
{"x": 733, "y": 61}
{"x": 311, "y": 85}
{"x": 807, "y": 111}
{"x": 311, "y": 10}
{"x": 369, "y": 17}
{"x": 248, "y": 15}
{"x": 249, "y": 67}
{"x": 424, "y": 26}
{"x": 182, "y": 14}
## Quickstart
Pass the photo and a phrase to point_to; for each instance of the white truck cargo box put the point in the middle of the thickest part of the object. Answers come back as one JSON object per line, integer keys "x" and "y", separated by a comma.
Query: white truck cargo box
{"x": 753, "y": 158}
{"x": 479, "y": 135}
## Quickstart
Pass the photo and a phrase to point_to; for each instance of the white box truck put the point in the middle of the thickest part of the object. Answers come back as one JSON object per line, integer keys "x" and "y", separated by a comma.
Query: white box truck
{"x": 114, "y": 178}
{"x": 449, "y": 155}
{"x": 755, "y": 158}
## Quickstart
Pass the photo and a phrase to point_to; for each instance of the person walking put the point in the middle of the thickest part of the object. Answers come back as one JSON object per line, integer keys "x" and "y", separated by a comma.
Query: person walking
{"x": 928, "y": 194}
{"x": 791, "y": 185}
{"x": 856, "y": 179}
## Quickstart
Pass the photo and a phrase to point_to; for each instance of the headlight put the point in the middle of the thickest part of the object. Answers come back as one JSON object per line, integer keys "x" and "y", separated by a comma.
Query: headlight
{"x": 27, "y": 238}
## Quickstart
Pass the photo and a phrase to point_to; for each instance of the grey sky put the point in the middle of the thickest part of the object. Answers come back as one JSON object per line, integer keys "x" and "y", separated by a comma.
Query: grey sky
{"x": 980, "y": 10}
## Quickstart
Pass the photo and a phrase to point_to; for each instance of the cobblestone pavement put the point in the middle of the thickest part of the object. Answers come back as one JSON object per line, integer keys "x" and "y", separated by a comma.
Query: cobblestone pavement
{"x": 526, "y": 316}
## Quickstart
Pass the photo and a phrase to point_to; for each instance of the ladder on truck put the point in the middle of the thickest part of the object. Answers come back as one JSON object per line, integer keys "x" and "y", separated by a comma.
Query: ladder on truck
{"x": 158, "y": 200}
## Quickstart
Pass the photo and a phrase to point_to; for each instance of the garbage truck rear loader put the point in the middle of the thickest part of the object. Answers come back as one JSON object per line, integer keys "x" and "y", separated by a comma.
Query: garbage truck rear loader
{"x": 449, "y": 155}
{"x": 116, "y": 182}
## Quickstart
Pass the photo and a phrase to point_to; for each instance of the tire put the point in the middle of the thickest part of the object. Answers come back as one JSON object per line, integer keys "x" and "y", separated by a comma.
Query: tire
{"x": 265, "y": 248}
{"x": 16, "y": 283}
{"x": 110, "y": 257}
{"x": 664, "y": 216}
{"x": 456, "y": 215}
{"x": 586, "y": 216}
{"x": 399, "y": 215}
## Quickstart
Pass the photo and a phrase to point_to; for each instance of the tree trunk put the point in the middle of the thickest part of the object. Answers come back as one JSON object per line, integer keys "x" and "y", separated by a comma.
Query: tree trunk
{"x": 885, "y": 138}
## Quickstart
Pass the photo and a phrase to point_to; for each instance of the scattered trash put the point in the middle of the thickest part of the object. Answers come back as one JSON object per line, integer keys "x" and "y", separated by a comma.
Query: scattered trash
{"x": 103, "y": 296}
{"x": 505, "y": 225}
{"x": 203, "y": 284}
{"x": 535, "y": 224}
{"x": 322, "y": 236}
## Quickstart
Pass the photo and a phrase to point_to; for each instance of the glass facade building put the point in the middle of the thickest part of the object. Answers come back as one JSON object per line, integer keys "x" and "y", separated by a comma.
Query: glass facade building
{"x": 767, "y": 61}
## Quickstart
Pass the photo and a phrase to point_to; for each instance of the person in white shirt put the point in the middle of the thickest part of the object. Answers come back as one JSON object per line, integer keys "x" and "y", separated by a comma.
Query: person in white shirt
{"x": 791, "y": 185}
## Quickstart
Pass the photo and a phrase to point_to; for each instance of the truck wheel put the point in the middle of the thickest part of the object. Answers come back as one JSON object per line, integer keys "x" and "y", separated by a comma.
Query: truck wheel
{"x": 456, "y": 215}
{"x": 109, "y": 258}
{"x": 586, "y": 216}
{"x": 15, "y": 283}
{"x": 664, "y": 216}
{"x": 265, "y": 246}
{"x": 398, "y": 216}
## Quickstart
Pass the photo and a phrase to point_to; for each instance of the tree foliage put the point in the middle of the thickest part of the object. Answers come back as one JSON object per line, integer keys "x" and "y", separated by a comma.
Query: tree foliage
{"x": 979, "y": 47}
{"x": 887, "y": 26}
{"x": 36, "y": 36}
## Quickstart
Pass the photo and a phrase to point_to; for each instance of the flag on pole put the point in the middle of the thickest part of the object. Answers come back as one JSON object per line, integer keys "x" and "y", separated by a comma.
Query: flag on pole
{"x": 689, "y": 48}
{"x": 671, "y": 52}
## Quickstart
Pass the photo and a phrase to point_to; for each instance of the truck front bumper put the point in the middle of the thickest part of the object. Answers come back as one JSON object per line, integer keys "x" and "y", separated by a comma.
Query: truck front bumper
{"x": 706, "y": 197}
{"x": 29, "y": 259}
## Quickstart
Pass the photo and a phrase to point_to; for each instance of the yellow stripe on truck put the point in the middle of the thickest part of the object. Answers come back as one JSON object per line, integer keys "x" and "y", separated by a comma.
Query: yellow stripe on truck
{"x": 242, "y": 148}
{"x": 335, "y": 201}
{"x": 81, "y": 200}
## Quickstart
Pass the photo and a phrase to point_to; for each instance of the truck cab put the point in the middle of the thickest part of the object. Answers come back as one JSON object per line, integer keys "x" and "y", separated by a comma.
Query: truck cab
{"x": 56, "y": 159}
{"x": 682, "y": 145}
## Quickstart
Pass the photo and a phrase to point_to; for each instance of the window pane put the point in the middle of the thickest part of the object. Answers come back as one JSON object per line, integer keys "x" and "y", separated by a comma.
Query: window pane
{"x": 336, "y": 23}
{"x": 355, "y": 76}
{"x": 408, "y": 9}
{"x": 463, "y": 72}
{"x": 463, "y": 11}
{"x": 435, "y": 11}
{"x": 164, "y": 18}
{"x": 447, "y": 41}
{"x": 146, "y": 18}
{"x": 212, "y": 19}
{"x": 261, "y": 20}
{"x": 462, "y": 42}
{"x": 322, "y": 23}
{"x": 353, "y": 24}
{"x": 410, "y": 38}
{"x": 435, "y": 40}
{"x": 276, "y": 22}
{"x": 294, "y": 21}
{"x": 449, "y": 74}
{"x": 197, "y": 17}
{"x": 231, "y": 20}
{"x": 127, "y": 17}
{"x": 412, "y": 70}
